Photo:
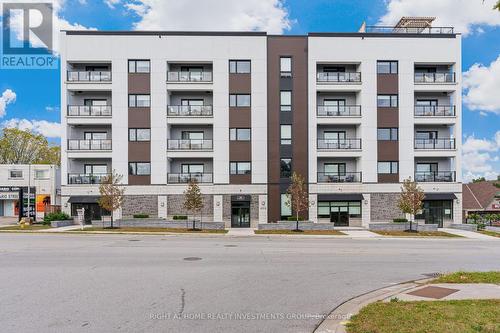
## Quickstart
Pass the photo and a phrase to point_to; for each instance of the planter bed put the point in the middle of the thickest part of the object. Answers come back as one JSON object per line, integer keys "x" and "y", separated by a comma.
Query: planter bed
{"x": 494, "y": 229}
{"x": 159, "y": 223}
{"x": 61, "y": 223}
{"x": 290, "y": 225}
{"x": 401, "y": 227}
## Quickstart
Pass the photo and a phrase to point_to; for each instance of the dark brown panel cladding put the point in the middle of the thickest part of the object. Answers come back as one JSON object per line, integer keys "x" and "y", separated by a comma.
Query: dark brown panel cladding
{"x": 139, "y": 83}
{"x": 388, "y": 178}
{"x": 240, "y": 151}
{"x": 240, "y": 83}
{"x": 388, "y": 117}
{"x": 387, "y": 84}
{"x": 240, "y": 179}
{"x": 240, "y": 117}
{"x": 139, "y": 180}
{"x": 296, "y": 48}
{"x": 139, "y": 118}
{"x": 139, "y": 151}
{"x": 388, "y": 150}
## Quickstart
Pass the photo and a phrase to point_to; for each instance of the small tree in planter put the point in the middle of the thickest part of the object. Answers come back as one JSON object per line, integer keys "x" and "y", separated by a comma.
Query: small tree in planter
{"x": 193, "y": 200}
{"x": 112, "y": 193}
{"x": 411, "y": 199}
{"x": 298, "y": 198}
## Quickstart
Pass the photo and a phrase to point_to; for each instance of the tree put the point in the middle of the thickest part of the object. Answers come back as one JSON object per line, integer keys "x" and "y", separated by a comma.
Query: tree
{"x": 193, "y": 200}
{"x": 411, "y": 199}
{"x": 478, "y": 180}
{"x": 298, "y": 198}
{"x": 26, "y": 147}
{"x": 112, "y": 193}
{"x": 497, "y": 6}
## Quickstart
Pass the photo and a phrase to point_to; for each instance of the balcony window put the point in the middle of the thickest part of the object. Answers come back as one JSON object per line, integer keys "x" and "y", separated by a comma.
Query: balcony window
{"x": 16, "y": 174}
{"x": 338, "y": 169}
{"x": 192, "y": 168}
{"x": 387, "y": 167}
{"x": 285, "y": 101}
{"x": 285, "y": 66}
{"x": 387, "y": 134}
{"x": 239, "y": 66}
{"x": 240, "y": 168}
{"x": 92, "y": 169}
{"x": 239, "y": 100}
{"x": 139, "y": 168}
{"x": 239, "y": 134}
{"x": 139, "y": 101}
{"x": 138, "y": 66}
{"x": 286, "y": 134}
{"x": 285, "y": 167}
{"x": 95, "y": 135}
{"x": 387, "y": 101}
{"x": 387, "y": 67}
{"x": 139, "y": 134}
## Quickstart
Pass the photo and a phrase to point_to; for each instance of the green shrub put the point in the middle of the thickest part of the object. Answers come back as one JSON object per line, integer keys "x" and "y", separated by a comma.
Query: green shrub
{"x": 294, "y": 218}
{"x": 57, "y": 216}
{"x": 141, "y": 216}
{"x": 400, "y": 220}
{"x": 180, "y": 217}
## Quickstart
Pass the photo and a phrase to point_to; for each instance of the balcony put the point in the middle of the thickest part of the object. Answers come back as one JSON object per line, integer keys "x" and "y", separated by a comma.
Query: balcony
{"x": 92, "y": 145}
{"x": 437, "y": 176}
{"x": 184, "y": 178}
{"x": 189, "y": 111}
{"x": 339, "y": 111}
{"x": 179, "y": 76}
{"x": 89, "y": 111}
{"x": 431, "y": 144}
{"x": 339, "y": 144}
{"x": 431, "y": 78}
{"x": 434, "y": 110}
{"x": 186, "y": 144}
{"x": 338, "y": 77}
{"x": 88, "y": 76}
{"x": 341, "y": 177}
{"x": 86, "y": 179}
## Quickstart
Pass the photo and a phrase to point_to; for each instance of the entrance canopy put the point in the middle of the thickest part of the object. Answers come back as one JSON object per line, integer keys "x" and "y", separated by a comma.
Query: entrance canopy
{"x": 83, "y": 199}
{"x": 439, "y": 196}
{"x": 340, "y": 197}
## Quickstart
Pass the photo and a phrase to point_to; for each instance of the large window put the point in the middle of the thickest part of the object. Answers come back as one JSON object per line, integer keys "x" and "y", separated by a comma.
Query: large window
{"x": 139, "y": 134}
{"x": 239, "y": 134}
{"x": 285, "y": 167}
{"x": 95, "y": 135}
{"x": 427, "y": 167}
{"x": 286, "y": 134}
{"x": 238, "y": 100}
{"x": 139, "y": 66}
{"x": 239, "y": 66}
{"x": 139, "y": 168}
{"x": 335, "y": 169}
{"x": 240, "y": 168}
{"x": 387, "y": 134}
{"x": 387, "y": 167}
{"x": 286, "y": 210}
{"x": 387, "y": 67}
{"x": 325, "y": 208}
{"x": 192, "y": 168}
{"x": 93, "y": 169}
{"x": 15, "y": 174}
{"x": 285, "y": 100}
{"x": 42, "y": 174}
{"x": 387, "y": 101}
{"x": 285, "y": 66}
{"x": 139, "y": 101}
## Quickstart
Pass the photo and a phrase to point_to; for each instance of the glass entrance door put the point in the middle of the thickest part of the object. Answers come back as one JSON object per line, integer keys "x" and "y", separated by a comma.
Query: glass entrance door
{"x": 240, "y": 214}
{"x": 340, "y": 218}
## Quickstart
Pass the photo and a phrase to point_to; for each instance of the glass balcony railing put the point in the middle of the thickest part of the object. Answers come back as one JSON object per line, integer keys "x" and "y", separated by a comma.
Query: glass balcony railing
{"x": 186, "y": 144}
{"x": 338, "y": 77}
{"x": 408, "y": 30}
{"x": 434, "y": 110}
{"x": 89, "y": 111}
{"x": 101, "y": 144}
{"x": 437, "y": 176}
{"x": 189, "y": 76}
{"x": 89, "y": 76}
{"x": 339, "y": 177}
{"x": 339, "y": 144}
{"x": 82, "y": 178}
{"x": 434, "y": 77}
{"x": 183, "y": 178}
{"x": 435, "y": 143}
{"x": 339, "y": 111}
{"x": 189, "y": 111}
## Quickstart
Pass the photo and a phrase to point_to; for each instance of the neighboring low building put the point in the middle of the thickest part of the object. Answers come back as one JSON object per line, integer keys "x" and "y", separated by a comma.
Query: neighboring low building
{"x": 481, "y": 198}
{"x": 44, "y": 179}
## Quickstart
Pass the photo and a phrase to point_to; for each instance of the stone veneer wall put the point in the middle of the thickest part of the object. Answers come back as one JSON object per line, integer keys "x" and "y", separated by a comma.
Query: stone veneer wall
{"x": 254, "y": 210}
{"x": 140, "y": 204}
{"x": 384, "y": 207}
{"x": 175, "y": 206}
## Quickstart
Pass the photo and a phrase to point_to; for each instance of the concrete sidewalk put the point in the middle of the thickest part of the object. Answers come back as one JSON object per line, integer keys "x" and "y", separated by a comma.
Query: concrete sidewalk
{"x": 467, "y": 234}
{"x": 451, "y": 291}
{"x": 68, "y": 228}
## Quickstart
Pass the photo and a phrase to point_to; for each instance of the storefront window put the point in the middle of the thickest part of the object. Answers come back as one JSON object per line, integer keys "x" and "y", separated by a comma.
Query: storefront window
{"x": 325, "y": 207}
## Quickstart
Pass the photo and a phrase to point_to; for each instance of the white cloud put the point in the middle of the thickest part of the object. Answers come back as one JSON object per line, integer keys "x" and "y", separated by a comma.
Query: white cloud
{"x": 8, "y": 96}
{"x": 467, "y": 16}
{"x": 43, "y": 127}
{"x": 480, "y": 157}
{"x": 233, "y": 15}
{"x": 111, "y": 3}
{"x": 482, "y": 86}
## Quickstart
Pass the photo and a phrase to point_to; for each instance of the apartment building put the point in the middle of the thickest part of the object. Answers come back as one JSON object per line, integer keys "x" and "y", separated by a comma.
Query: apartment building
{"x": 354, "y": 113}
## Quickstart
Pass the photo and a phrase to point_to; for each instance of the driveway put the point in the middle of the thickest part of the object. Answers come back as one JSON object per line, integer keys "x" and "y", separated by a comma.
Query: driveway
{"x": 130, "y": 283}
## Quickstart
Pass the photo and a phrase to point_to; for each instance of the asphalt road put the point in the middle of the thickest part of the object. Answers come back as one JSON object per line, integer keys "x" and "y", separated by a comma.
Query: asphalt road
{"x": 124, "y": 283}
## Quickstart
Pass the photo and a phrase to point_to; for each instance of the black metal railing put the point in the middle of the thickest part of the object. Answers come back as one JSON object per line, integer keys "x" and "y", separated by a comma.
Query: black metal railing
{"x": 89, "y": 111}
{"x": 189, "y": 111}
{"x": 437, "y": 176}
{"x": 440, "y": 143}
{"x": 89, "y": 76}
{"x": 186, "y": 144}
{"x": 182, "y": 178}
{"x": 408, "y": 30}
{"x": 334, "y": 144}
{"x": 434, "y": 77}
{"x": 101, "y": 144}
{"x": 339, "y": 110}
{"x": 434, "y": 110}
{"x": 189, "y": 76}
{"x": 339, "y": 177}
{"x": 338, "y": 77}
{"x": 83, "y": 178}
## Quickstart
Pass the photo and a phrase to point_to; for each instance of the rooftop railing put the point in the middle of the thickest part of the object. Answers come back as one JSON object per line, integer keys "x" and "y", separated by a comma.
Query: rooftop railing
{"x": 409, "y": 30}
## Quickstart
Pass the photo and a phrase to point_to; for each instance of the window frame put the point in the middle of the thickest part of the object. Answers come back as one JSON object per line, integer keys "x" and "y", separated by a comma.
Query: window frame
{"x": 237, "y": 171}
{"x": 92, "y": 167}
{"x": 134, "y": 166}
{"x": 392, "y": 64}
{"x": 134, "y": 104}
{"x": 289, "y": 159}
{"x": 286, "y": 107}
{"x": 189, "y": 165}
{"x": 286, "y": 73}
{"x": 15, "y": 177}
{"x": 236, "y": 99}
{"x": 393, "y": 100}
{"x": 134, "y": 62}
{"x": 392, "y": 165}
{"x": 392, "y": 131}
{"x": 238, "y": 61}
{"x": 285, "y": 140}
{"x": 285, "y": 210}
{"x": 236, "y": 131}
{"x": 135, "y": 130}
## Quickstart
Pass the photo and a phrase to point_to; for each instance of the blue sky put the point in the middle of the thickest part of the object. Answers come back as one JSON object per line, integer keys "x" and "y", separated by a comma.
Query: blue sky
{"x": 36, "y": 104}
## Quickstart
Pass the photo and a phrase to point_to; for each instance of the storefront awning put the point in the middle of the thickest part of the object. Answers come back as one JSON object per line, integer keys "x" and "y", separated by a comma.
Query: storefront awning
{"x": 439, "y": 196}
{"x": 83, "y": 199}
{"x": 340, "y": 197}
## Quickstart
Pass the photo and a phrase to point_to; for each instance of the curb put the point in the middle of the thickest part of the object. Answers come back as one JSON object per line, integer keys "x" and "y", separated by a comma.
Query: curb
{"x": 335, "y": 322}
